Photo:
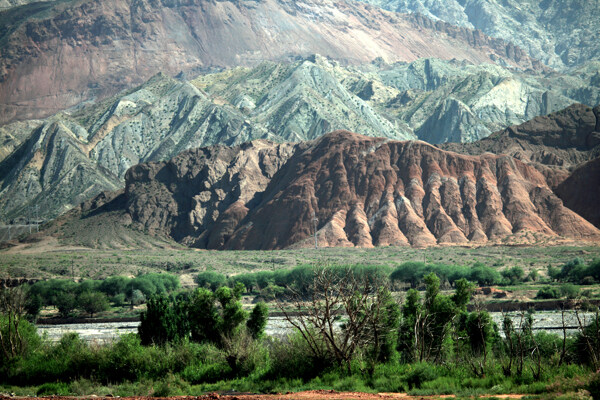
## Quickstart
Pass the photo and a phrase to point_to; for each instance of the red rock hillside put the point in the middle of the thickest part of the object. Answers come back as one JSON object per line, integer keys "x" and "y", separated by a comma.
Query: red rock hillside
{"x": 364, "y": 192}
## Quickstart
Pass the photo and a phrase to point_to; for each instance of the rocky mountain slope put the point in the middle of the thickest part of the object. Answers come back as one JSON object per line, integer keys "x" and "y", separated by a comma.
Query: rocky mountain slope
{"x": 581, "y": 190}
{"x": 56, "y": 54}
{"x": 364, "y": 192}
{"x": 560, "y": 33}
{"x": 430, "y": 99}
{"x": 562, "y": 140}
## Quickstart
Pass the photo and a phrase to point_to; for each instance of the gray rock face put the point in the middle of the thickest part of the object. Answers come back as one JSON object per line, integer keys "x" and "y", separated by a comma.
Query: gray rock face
{"x": 57, "y": 54}
{"x": 561, "y": 33}
{"x": 433, "y": 100}
{"x": 50, "y": 174}
{"x": 455, "y": 121}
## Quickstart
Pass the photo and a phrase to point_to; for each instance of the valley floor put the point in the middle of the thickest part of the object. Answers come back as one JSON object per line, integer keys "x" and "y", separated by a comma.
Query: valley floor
{"x": 35, "y": 261}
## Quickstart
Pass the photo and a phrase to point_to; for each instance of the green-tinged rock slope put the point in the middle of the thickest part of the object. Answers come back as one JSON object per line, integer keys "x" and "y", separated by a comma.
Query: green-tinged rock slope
{"x": 56, "y": 163}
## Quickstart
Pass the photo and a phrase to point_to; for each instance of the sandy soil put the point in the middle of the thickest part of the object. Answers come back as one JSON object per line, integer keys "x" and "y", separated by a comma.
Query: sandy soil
{"x": 306, "y": 395}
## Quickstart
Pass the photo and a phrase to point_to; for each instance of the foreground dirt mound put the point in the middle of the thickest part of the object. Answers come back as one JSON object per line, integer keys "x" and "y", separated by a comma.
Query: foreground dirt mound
{"x": 360, "y": 191}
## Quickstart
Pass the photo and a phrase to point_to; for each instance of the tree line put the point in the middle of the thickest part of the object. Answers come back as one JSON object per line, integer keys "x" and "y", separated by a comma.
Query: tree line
{"x": 350, "y": 332}
{"x": 94, "y": 296}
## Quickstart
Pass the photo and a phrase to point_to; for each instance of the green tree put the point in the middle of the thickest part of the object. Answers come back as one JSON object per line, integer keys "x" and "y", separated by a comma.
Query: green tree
{"x": 484, "y": 276}
{"x": 408, "y": 334}
{"x": 514, "y": 275}
{"x": 165, "y": 320}
{"x": 476, "y": 332}
{"x": 258, "y": 320}
{"x": 92, "y": 302}
{"x": 17, "y": 336}
{"x": 463, "y": 292}
{"x": 425, "y": 327}
{"x": 66, "y": 302}
{"x": 210, "y": 280}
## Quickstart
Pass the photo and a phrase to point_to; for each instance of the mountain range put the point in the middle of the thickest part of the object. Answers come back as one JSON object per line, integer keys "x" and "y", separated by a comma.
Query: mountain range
{"x": 56, "y": 163}
{"x": 182, "y": 115}
{"x": 364, "y": 191}
{"x": 56, "y": 54}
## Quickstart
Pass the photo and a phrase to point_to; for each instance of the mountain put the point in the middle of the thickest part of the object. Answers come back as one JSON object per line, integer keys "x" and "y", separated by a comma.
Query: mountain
{"x": 56, "y": 54}
{"x": 562, "y": 140}
{"x": 430, "y": 99}
{"x": 560, "y": 33}
{"x": 363, "y": 191}
{"x": 581, "y": 190}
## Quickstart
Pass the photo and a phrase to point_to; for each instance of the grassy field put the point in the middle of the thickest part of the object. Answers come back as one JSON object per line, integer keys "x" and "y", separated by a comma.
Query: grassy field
{"x": 40, "y": 262}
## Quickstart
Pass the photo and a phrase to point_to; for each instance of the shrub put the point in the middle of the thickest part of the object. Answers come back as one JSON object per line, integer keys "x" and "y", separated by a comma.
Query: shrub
{"x": 170, "y": 385}
{"x": 420, "y": 373}
{"x": 569, "y": 290}
{"x": 594, "y": 386}
{"x": 548, "y": 292}
{"x": 210, "y": 280}
{"x": 291, "y": 357}
{"x": 53, "y": 389}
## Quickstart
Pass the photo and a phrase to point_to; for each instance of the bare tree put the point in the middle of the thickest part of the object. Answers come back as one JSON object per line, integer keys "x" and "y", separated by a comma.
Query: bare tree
{"x": 590, "y": 336}
{"x": 342, "y": 312}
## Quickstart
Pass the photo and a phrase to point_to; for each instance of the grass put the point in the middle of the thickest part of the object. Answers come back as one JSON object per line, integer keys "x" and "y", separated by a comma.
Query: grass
{"x": 99, "y": 263}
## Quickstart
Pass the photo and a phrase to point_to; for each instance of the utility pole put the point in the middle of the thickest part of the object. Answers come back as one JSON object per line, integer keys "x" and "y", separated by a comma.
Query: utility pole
{"x": 315, "y": 220}
{"x": 37, "y": 225}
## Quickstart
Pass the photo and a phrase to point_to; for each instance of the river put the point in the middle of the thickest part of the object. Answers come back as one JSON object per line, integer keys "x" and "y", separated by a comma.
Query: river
{"x": 550, "y": 321}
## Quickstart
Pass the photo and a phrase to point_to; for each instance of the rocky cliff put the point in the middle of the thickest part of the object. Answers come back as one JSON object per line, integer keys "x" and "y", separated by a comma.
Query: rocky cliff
{"x": 561, "y": 33}
{"x": 56, "y": 54}
{"x": 363, "y": 191}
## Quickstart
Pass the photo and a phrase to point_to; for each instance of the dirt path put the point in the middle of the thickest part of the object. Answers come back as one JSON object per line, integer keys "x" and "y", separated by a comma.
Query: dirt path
{"x": 306, "y": 395}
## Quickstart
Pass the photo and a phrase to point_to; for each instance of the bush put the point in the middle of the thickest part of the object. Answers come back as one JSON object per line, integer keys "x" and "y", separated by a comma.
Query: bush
{"x": 420, "y": 373}
{"x": 291, "y": 357}
{"x": 53, "y": 389}
{"x": 171, "y": 385}
{"x": 569, "y": 290}
{"x": 548, "y": 292}
{"x": 594, "y": 386}
{"x": 211, "y": 280}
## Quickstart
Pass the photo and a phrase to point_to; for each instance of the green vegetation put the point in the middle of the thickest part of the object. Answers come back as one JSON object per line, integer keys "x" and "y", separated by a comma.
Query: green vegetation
{"x": 351, "y": 334}
{"x": 94, "y": 296}
{"x": 101, "y": 264}
{"x": 577, "y": 271}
